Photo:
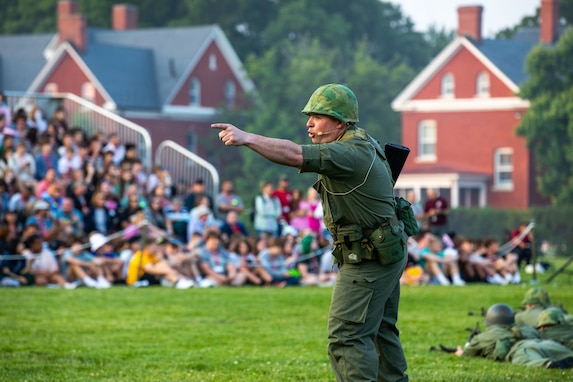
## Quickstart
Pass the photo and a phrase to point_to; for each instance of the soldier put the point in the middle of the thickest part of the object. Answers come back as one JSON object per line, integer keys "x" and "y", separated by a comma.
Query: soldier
{"x": 553, "y": 325}
{"x": 356, "y": 190}
{"x": 501, "y": 334}
{"x": 536, "y": 299}
{"x": 541, "y": 353}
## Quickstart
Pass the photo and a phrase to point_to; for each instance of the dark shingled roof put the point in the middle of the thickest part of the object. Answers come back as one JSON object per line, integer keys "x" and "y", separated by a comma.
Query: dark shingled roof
{"x": 508, "y": 55}
{"x": 21, "y": 59}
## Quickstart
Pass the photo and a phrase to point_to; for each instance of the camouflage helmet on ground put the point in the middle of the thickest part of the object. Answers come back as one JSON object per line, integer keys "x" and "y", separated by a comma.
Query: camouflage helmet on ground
{"x": 334, "y": 100}
{"x": 499, "y": 314}
{"x": 550, "y": 316}
{"x": 536, "y": 296}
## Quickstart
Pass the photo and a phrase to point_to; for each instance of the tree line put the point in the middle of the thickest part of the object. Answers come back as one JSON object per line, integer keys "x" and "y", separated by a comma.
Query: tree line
{"x": 290, "y": 47}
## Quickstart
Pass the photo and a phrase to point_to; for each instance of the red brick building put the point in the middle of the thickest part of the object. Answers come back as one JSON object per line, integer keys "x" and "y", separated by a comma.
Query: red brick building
{"x": 460, "y": 115}
{"x": 168, "y": 80}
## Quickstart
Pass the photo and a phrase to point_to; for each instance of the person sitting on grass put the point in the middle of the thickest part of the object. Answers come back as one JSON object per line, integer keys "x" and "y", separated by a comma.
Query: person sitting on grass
{"x": 148, "y": 266}
{"x": 15, "y": 271}
{"x": 274, "y": 261}
{"x": 438, "y": 264}
{"x": 215, "y": 263}
{"x": 308, "y": 262}
{"x": 44, "y": 263}
{"x": 249, "y": 264}
{"x": 472, "y": 267}
{"x": 183, "y": 261}
{"x": 81, "y": 266}
{"x": 107, "y": 257}
{"x": 504, "y": 265}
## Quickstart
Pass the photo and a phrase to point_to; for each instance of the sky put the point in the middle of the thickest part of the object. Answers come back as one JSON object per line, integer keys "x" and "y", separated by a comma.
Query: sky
{"x": 497, "y": 14}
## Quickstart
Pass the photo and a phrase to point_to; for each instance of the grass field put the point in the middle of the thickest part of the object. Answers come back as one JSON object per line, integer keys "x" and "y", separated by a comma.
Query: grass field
{"x": 234, "y": 334}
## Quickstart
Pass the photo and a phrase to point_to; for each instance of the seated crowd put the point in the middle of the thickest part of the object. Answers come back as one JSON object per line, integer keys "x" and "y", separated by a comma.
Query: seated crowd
{"x": 83, "y": 210}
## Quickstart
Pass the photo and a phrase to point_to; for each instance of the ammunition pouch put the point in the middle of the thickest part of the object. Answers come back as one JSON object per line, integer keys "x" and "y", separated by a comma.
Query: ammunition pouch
{"x": 349, "y": 245}
{"x": 389, "y": 242}
{"x": 385, "y": 243}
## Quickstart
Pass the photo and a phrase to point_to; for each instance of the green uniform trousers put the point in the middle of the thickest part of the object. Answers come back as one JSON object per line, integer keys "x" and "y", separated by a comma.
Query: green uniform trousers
{"x": 537, "y": 352}
{"x": 364, "y": 343}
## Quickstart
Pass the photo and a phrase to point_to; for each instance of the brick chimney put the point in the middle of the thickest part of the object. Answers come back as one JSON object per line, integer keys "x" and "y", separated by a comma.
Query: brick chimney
{"x": 549, "y": 21}
{"x": 72, "y": 26}
{"x": 469, "y": 22}
{"x": 124, "y": 17}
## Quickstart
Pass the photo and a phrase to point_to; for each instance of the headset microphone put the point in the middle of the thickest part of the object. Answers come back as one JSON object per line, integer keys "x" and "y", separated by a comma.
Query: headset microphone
{"x": 320, "y": 133}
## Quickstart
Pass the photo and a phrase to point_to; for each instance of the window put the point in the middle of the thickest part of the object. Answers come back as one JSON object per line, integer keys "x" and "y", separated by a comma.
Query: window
{"x": 482, "y": 84}
{"x": 194, "y": 92}
{"x": 469, "y": 197}
{"x": 427, "y": 138}
{"x": 88, "y": 92}
{"x": 213, "y": 62}
{"x": 448, "y": 85}
{"x": 503, "y": 168}
{"x": 51, "y": 88}
{"x": 230, "y": 94}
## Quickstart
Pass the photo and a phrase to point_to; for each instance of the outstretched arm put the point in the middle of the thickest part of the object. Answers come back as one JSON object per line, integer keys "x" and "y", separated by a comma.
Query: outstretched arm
{"x": 280, "y": 151}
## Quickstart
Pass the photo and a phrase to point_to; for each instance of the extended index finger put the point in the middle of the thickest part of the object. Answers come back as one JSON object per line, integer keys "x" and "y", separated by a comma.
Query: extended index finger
{"x": 220, "y": 126}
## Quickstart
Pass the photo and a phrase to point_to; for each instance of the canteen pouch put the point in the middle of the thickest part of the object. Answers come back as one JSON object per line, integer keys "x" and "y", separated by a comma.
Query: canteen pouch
{"x": 389, "y": 243}
{"x": 406, "y": 215}
{"x": 348, "y": 244}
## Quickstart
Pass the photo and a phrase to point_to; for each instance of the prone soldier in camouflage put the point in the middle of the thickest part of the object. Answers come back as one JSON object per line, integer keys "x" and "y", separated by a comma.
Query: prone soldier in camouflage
{"x": 520, "y": 344}
{"x": 356, "y": 188}
{"x": 535, "y": 301}
{"x": 552, "y": 325}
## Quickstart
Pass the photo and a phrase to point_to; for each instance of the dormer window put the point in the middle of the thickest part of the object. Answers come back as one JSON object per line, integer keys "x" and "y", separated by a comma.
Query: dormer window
{"x": 482, "y": 84}
{"x": 51, "y": 88}
{"x": 213, "y": 62}
{"x": 88, "y": 92}
{"x": 448, "y": 85}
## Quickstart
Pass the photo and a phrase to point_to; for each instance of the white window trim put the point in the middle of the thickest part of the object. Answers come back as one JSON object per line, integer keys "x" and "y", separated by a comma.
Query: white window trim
{"x": 88, "y": 87}
{"x": 213, "y": 62}
{"x": 449, "y": 80}
{"x": 481, "y": 79}
{"x": 427, "y": 157}
{"x": 497, "y": 168}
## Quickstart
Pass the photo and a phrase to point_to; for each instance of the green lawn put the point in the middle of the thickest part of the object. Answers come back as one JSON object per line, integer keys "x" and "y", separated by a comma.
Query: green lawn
{"x": 233, "y": 334}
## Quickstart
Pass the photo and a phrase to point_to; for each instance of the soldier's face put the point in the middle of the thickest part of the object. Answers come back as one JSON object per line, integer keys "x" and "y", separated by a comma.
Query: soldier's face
{"x": 323, "y": 129}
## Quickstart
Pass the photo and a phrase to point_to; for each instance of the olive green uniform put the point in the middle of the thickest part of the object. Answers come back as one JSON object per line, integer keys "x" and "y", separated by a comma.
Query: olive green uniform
{"x": 529, "y": 316}
{"x": 537, "y": 352}
{"x": 562, "y": 333}
{"x": 497, "y": 340}
{"x": 356, "y": 189}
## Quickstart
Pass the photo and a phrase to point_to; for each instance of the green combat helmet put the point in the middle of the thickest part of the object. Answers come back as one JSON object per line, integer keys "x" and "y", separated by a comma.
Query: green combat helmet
{"x": 537, "y": 296}
{"x": 334, "y": 100}
{"x": 550, "y": 316}
{"x": 499, "y": 314}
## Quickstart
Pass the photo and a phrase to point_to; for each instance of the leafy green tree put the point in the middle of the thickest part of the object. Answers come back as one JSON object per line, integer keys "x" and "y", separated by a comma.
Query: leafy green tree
{"x": 548, "y": 124}
{"x": 27, "y": 16}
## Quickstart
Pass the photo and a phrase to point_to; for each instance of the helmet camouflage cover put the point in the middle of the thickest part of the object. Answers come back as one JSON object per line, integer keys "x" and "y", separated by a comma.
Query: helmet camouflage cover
{"x": 550, "y": 316}
{"x": 537, "y": 296}
{"x": 499, "y": 314}
{"x": 334, "y": 100}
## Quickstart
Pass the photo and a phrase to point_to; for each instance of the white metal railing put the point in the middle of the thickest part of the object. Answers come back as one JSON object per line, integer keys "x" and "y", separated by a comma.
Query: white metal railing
{"x": 186, "y": 167}
{"x": 87, "y": 116}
